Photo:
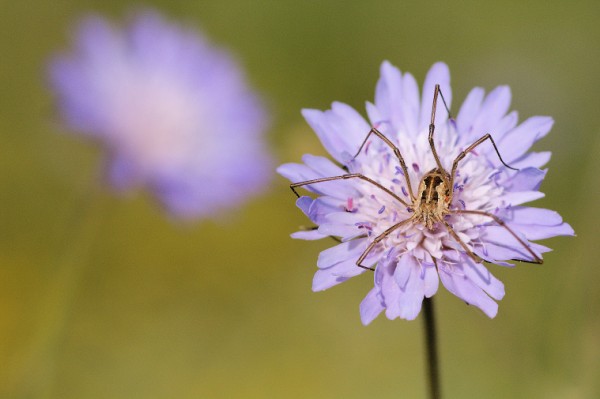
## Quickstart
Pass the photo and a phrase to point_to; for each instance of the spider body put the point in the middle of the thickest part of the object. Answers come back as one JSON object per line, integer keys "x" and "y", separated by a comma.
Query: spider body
{"x": 433, "y": 199}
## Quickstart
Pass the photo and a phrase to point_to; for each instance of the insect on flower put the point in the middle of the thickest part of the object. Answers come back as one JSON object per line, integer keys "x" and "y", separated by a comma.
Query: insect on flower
{"x": 434, "y": 196}
{"x": 471, "y": 176}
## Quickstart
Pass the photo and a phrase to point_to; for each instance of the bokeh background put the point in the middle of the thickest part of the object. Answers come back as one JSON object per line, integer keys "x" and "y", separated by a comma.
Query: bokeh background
{"x": 105, "y": 297}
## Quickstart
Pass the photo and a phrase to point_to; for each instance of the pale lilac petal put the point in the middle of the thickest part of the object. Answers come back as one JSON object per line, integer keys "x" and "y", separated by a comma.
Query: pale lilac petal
{"x": 520, "y": 197}
{"x": 403, "y": 270}
{"x": 309, "y": 235}
{"x": 323, "y": 165}
{"x": 504, "y": 125}
{"x": 527, "y": 179}
{"x": 334, "y": 275}
{"x": 371, "y": 307}
{"x": 494, "y": 108}
{"x": 500, "y": 244}
{"x": 374, "y": 114}
{"x": 519, "y": 140}
{"x": 341, "y": 130}
{"x": 316, "y": 209}
{"x": 339, "y": 230}
{"x": 531, "y": 160}
{"x": 536, "y": 232}
{"x": 341, "y": 224}
{"x": 481, "y": 277}
{"x": 412, "y": 293}
{"x": 465, "y": 289}
{"x": 438, "y": 74}
{"x": 410, "y": 104}
{"x": 294, "y": 172}
{"x": 389, "y": 291}
{"x": 538, "y": 216}
{"x": 539, "y": 224}
{"x": 341, "y": 252}
{"x": 388, "y": 95}
{"x": 431, "y": 280}
{"x": 297, "y": 173}
{"x": 469, "y": 111}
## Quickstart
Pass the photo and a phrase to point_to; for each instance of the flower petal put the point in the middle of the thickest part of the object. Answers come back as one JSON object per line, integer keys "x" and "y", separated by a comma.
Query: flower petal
{"x": 316, "y": 209}
{"x": 516, "y": 142}
{"x": 412, "y": 293}
{"x": 500, "y": 244}
{"x": 538, "y": 223}
{"x": 371, "y": 307}
{"x": 469, "y": 111}
{"x": 341, "y": 129}
{"x": 532, "y": 159}
{"x": 461, "y": 286}
{"x": 431, "y": 280}
{"x": 527, "y": 179}
{"x": 350, "y": 250}
{"x": 481, "y": 276}
{"x": 492, "y": 111}
{"x": 388, "y": 95}
{"x": 297, "y": 173}
{"x": 410, "y": 104}
{"x": 334, "y": 275}
{"x": 520, "y": 197}
{"x": 308, "y": 235}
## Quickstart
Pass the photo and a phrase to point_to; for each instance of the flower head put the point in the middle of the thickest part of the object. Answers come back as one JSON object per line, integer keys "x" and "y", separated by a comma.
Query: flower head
{"x": 173, "y": 113}
{"x": 414, "y": 221}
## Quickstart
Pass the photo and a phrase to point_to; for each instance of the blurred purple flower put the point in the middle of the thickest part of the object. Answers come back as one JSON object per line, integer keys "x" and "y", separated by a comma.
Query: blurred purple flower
{"x": 411, "y": 260}
{"x": 173, "y": 113}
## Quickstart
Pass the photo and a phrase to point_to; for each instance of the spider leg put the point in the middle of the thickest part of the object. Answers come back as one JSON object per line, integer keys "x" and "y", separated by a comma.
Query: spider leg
{"x": 293, "y": 186}
{"x": 396, "y": 152}
{"x": 471, "y": 148}
{"x": 377, "y": 240}
{"x": 501, "y": 223}
{"x": 432, "y": 125}
{"x": 470, "y": 253}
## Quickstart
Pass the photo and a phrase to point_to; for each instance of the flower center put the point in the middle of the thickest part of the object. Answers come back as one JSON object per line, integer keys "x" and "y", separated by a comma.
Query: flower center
{"x": 425, "y": 233}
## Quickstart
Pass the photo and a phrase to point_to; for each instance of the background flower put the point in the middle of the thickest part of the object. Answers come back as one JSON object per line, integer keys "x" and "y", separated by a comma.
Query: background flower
{"x": 413, "y": 258}
{"x": 173, "y": 113}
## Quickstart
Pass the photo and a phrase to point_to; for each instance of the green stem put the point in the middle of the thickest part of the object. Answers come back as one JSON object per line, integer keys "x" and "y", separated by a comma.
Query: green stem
{"x": 431, "y": 343}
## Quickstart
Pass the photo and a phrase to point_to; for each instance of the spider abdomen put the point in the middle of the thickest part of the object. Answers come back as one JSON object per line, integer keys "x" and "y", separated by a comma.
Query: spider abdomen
{"x": 434, "y": 196}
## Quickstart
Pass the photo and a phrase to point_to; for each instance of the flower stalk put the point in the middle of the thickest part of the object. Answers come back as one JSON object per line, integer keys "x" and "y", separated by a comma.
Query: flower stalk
{"x": 433, "y": 370}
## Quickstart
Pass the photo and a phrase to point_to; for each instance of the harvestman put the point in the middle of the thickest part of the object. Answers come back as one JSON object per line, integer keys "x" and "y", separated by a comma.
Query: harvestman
{"x": 436, "y": 190}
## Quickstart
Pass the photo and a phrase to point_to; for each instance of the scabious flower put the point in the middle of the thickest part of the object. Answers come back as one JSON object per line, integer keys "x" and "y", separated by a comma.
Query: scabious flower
{"x": 410, "y": 261}
{"x": 173, "y": 113}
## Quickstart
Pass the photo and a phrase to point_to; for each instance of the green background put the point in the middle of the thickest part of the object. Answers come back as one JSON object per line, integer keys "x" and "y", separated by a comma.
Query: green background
{"x": 105, "y": 297}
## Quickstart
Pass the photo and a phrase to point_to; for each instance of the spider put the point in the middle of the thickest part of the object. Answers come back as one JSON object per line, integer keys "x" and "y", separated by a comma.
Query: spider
{"x": 432, "y": 204}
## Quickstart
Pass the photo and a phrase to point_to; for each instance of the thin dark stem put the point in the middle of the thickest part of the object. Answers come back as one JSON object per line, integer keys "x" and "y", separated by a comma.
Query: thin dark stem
{"x": 432, "y": 358}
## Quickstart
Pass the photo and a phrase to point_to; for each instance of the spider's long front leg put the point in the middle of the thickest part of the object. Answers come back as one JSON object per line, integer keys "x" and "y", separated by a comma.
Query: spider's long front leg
{"x": 293, "y": 186}
{"x": 432, "y": 128}
{"x": 471, "y": 148}
{"x": 377, "y": 240}
{"x": 396, "y": 152}
{"x": 502, "y": 223}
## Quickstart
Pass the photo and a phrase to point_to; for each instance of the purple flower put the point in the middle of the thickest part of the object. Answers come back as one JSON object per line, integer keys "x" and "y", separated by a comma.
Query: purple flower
{"x": 173, "y": 113}
{"x": 434, "y": 225}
